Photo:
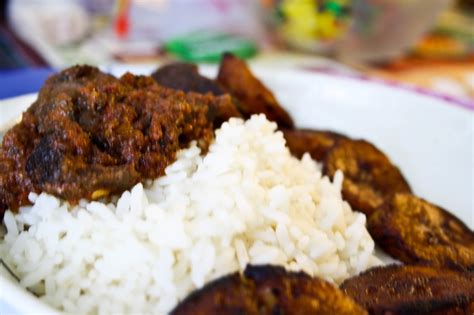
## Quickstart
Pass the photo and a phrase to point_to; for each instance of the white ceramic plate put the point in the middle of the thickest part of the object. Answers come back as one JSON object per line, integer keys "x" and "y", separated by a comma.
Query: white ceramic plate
{"x": 429, "y": 138}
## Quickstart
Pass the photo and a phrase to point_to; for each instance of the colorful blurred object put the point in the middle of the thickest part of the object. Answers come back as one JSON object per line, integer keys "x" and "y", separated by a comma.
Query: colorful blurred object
{"x": 121, "y": 19}
{"x": 417, "y": 42}
{"x": 452, "y": 37}
{"x": 442, "y": 60}
{"x": 357, "y": 30}
{"x": 311, "y": 24}
{"x": 314, "y": 19}
{"x": 206, "y": 46}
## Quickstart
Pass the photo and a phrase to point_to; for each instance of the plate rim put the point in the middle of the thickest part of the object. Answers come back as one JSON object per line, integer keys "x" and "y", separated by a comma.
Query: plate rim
{"x": 465, "y": 103}
{"x": 375, "y": 82}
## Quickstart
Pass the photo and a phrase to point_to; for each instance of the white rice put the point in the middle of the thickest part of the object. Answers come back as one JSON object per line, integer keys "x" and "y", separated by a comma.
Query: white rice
{"x": 247, "y": 201}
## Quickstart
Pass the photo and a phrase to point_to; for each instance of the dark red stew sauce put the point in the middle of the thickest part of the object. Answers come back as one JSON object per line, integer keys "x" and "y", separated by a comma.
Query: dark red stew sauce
{"x": 90, "y": 134}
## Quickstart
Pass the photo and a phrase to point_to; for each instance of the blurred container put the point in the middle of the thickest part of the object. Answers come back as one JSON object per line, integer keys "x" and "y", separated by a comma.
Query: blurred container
{"x": 357, "y": 30}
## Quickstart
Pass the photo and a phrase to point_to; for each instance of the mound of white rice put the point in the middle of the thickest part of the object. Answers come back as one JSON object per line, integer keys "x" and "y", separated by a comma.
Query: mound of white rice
{"x": 247, "y": 201}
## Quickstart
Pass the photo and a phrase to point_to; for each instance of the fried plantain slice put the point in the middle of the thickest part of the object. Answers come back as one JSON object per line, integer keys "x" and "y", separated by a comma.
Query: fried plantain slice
{"x": 268, "y": 290}
{"x": 316, "y": 142}
{"x": 420, "y": 290}
{"x": 415, "y": 231}
{"x": 230, "y": 294}
{"x": 253, "y": 96}
{"x": 369, "y": 176}
{"x": 185, "y": 77}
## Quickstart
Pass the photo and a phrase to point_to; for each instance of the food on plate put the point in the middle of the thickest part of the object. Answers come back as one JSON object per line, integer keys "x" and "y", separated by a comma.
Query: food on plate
{"x": 406, "y": 227}
{"x": 254, "y": 98}
{"x": 369, "y": 176}
{"x": 268, "y": 290}
{"x": 315, "y": 142}
{"x": 123, "y": 195}
{"x": 415, "y": 231}
{"x": 185, "y": 77}
{"x": 245, "y": 200}
{"x": 90, "y": 134}
{"x": 234, "y": 78}
{"x": 412, "y": 290}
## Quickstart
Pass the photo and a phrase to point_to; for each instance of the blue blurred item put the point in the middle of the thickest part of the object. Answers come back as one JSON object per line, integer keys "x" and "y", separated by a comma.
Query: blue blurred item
{"x": 22, "y": 81}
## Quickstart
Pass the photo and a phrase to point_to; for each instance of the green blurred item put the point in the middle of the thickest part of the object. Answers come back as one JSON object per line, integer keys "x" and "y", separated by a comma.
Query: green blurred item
{"x": 209, "y": 46}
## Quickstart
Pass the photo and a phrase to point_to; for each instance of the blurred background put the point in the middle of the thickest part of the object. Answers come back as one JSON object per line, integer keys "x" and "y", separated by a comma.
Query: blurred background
{"x": 428, "y": 44}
